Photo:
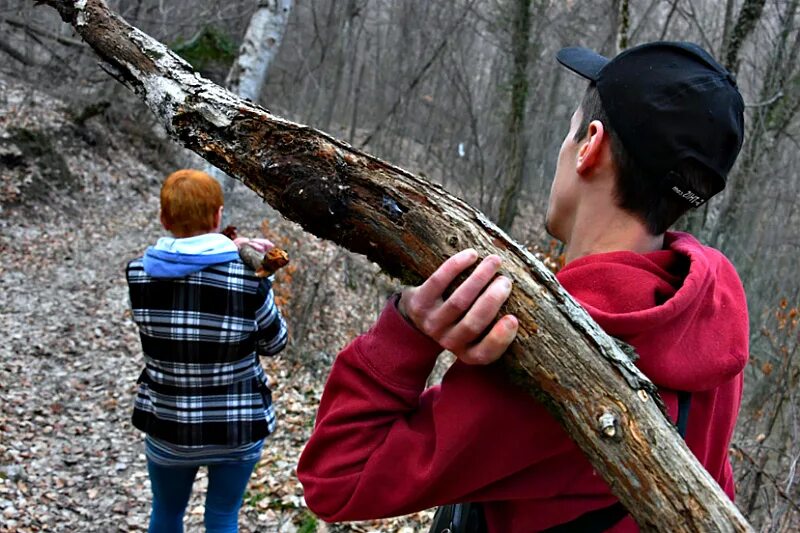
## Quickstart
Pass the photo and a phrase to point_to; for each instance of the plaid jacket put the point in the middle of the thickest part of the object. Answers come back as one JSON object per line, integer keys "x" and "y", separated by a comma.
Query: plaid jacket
{"x": 201, "y": 336}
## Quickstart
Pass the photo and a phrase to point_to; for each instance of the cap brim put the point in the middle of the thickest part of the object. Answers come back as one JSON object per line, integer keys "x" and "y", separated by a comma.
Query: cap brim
{"x": 582, "y": 61}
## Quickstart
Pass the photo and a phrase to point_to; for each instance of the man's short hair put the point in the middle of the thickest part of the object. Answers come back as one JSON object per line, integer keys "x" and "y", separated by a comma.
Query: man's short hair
{"x": 656, "y": 207}
{"x": 190, "y": 200}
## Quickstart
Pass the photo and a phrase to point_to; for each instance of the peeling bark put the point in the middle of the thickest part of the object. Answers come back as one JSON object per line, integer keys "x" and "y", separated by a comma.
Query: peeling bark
{"x": 409, "y": 226}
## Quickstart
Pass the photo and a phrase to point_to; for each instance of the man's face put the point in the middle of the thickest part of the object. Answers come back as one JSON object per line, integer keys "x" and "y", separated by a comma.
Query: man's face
{"x": 563, "y": 197}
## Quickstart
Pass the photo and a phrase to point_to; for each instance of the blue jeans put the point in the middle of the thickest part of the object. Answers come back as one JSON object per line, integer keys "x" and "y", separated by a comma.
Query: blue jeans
{"x": 172, "y": 486}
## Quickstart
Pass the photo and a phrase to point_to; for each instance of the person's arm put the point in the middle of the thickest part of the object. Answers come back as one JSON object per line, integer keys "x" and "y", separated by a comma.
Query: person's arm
{"x": 381, "y": 446}
{"x": 272, "y": 332}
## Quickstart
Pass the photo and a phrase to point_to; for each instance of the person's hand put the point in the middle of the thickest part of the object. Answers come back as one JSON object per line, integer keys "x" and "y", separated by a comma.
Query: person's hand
{"x": 259, "y": 245}
{"x": 459, "y": 322}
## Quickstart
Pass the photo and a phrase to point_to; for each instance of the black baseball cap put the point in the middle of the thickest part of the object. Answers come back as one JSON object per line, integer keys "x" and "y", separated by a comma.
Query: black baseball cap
{"x": 669, "y": 102}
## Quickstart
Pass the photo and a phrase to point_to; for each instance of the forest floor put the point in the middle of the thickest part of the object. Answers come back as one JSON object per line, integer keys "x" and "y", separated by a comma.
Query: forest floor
{"x": 76, "y": 203}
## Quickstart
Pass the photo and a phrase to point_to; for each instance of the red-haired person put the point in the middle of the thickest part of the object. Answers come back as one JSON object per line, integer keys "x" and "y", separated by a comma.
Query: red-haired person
{"x": 204, "y": 318}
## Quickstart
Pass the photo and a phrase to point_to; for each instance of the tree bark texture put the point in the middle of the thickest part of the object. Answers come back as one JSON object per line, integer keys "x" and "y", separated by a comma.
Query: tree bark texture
{"x": 515, "y": 135}
{"x": 749, "y": 15}
{"x": 409, "y": 226}
{"x": 762, "y": 123}
{"x": 624, "y": 25}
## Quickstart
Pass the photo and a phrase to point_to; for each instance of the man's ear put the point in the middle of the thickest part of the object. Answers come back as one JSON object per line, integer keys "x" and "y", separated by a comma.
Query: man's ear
{"x": 591, "y": 149}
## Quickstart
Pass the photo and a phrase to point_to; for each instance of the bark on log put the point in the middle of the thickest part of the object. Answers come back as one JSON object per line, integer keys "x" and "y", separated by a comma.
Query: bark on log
{"x": 409, "y": 226}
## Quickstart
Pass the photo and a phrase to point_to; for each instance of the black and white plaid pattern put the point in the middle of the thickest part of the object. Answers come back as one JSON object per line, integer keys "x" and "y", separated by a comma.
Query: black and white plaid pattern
{"x": 201, "y": 335}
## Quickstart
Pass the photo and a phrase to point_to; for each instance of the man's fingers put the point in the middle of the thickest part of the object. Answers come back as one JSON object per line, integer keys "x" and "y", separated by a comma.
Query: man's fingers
{"x": 485, "y": 309}
{"x": 433, "y": 288}
{"x": 480, "y": 315}
{"x": 465, "y": 295}
{"x": 494, "y": 344}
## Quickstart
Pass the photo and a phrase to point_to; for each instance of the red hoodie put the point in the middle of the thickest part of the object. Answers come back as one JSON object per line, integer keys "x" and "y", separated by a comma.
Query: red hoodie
{"x": 384, "y": 446}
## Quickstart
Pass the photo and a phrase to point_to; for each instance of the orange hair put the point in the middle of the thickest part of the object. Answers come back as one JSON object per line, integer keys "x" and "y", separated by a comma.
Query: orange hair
{"x": 190, "y": 200}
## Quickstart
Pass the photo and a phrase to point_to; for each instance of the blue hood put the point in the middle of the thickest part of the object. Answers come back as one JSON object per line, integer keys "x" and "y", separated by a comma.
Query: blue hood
{"x": 177, "y": 258}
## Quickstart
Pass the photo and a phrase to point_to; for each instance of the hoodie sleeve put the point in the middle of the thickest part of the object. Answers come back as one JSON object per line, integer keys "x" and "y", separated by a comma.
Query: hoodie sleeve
{"x": 384, "y": 446}
{"x": 272, "y": 332}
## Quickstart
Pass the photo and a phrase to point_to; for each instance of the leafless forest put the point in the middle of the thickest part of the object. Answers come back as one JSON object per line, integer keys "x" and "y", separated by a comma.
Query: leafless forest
{"x": 468, "y": 94}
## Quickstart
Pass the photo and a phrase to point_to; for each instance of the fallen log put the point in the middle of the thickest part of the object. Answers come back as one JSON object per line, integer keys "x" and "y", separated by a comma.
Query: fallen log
{"x": 409, "y": 226}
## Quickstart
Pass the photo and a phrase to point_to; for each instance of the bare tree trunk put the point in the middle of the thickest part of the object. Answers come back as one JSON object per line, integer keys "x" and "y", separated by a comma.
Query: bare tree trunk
{"x": 624, "y": 25}
{"x": 261, "y": 43}
{"x": 764, "y": 123}
{"x": 609, "y": 48}
{"x": 749, "y": 15}
{"x": 343, "y": 44}
{"x": 259, "y": 48}
{"x": 351, "y": 138}
{"x": 409, "y": 226}
{"x": 515, "y": 136}
{"x": 726, "y": 27}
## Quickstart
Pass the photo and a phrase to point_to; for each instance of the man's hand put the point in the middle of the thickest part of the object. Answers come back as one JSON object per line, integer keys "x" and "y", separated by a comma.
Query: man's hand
{"x": 458, "y": 323}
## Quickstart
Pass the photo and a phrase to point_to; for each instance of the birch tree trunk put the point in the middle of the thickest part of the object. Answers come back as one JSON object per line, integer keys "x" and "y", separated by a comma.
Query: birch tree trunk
{"x": 261, "y": 43}
{"x": 409, "y": 226}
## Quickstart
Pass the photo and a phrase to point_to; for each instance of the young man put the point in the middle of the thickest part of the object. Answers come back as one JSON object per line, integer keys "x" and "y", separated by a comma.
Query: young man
{"x": 656, "y": 133}
{"x": 203, "y": 317}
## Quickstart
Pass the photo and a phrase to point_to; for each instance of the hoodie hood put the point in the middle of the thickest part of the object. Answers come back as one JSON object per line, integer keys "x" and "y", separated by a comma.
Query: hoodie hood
{"x": 177, "y": 258}
{"x": 687, "y": 293}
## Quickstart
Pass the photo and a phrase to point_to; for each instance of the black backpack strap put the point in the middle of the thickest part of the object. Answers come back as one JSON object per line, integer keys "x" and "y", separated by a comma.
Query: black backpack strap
{"x": 684, "y": 402}
{"x": 459, "y": 518}
{"x": 595, "y": 521}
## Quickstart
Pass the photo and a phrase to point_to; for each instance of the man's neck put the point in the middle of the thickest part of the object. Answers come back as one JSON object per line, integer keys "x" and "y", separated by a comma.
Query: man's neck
{"x": 610, "y": 231}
